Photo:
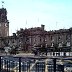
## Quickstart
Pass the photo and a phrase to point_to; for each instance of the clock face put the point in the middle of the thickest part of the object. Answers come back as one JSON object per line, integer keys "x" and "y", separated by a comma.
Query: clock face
{"x": 6, "y": 25}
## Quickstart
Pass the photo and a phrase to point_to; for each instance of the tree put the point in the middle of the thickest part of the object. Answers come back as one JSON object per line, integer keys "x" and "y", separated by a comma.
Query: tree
{"x": 13, "y": 50}
{"x": 2, "y": 50}
{"x": 56, "y": 49}
{"x": 41, "y": 48}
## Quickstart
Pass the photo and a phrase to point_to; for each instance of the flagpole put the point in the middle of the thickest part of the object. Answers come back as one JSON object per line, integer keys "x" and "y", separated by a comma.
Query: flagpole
{"x": 26, "y": 23}
{"x": 38, "y": 21}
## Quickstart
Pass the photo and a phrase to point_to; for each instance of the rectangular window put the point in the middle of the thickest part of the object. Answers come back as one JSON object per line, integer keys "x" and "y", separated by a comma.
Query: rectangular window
{"x": 34, "y": 39}
{"x": 51, "y": 37}
{"x": 30, "y": 40}
{"x": 68, "y": 43}
{"x": 40, "y": 39}
{"x": 12, "y": 41}
{"x": 59, "y": 38}
{"x": 52, "y": 44}
{"x": 67, "y": 37}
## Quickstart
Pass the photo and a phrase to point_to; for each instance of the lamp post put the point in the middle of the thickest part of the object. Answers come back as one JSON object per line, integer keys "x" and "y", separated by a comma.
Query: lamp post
{"x": 0, "y": 63}
{"x": 54, "y": 65}
{"x": 19, "y": 64}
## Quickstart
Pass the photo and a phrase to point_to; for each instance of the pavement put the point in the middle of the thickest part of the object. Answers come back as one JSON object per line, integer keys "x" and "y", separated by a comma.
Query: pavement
{"x": 20, "y": 54}
{"x": 24, "y": 54}
{"x": 32, "y": 55}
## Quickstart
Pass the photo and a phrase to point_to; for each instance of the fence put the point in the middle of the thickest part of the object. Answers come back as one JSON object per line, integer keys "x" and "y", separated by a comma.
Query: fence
{"x": 20, "y": 64}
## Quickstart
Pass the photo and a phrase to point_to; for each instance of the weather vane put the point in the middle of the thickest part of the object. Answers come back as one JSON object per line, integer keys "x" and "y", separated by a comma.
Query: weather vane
{"x": 2, "y": 4}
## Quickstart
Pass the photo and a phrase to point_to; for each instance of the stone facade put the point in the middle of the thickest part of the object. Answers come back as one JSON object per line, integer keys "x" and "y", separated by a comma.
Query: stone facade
{"x": 26, "y": 39}
{"x": 4, "y": 24}
{"x": 29, "y": 38}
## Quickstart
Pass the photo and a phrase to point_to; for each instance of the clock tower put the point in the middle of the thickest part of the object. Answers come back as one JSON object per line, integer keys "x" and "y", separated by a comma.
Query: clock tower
{"x": 4, "y": 23}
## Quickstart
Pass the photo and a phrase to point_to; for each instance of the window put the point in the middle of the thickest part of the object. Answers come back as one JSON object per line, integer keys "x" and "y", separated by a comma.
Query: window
{"x": 46, "y": 45}
{"x": 67, "y": 37}
{"x": 40, "y": 39}
{"x": 34, "y": 45}
{"x": 68, "y": 43}
{"x": 51, "y": 37}
{"x": 30, "y": 40}
{"x": 8, "y": 41}
{"x": 5, "y": 24}
{"x": 27, "y": 39}
{"x": 7, "y": 33}
{"x": 52, "y": 44}
{"x": 59, "y": 38}
{"x": 12, "y": 41}
{"x": 34, "y": 39}
{"x": 60, "y": 44}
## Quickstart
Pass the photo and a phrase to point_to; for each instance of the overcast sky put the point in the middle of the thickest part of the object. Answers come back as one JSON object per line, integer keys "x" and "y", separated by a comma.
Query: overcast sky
{"x": 54, "y": 14}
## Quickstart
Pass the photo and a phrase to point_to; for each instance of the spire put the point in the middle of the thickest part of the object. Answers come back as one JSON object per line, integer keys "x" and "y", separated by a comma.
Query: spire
{"x": 2, "y": 4}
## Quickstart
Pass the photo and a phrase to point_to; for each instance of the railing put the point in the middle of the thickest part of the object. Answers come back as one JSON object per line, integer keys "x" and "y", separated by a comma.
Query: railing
{"x": 29, "y": 64}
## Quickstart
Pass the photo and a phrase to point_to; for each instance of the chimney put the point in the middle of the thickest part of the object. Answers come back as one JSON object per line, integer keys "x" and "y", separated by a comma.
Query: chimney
{"x": 42, "y": 26}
